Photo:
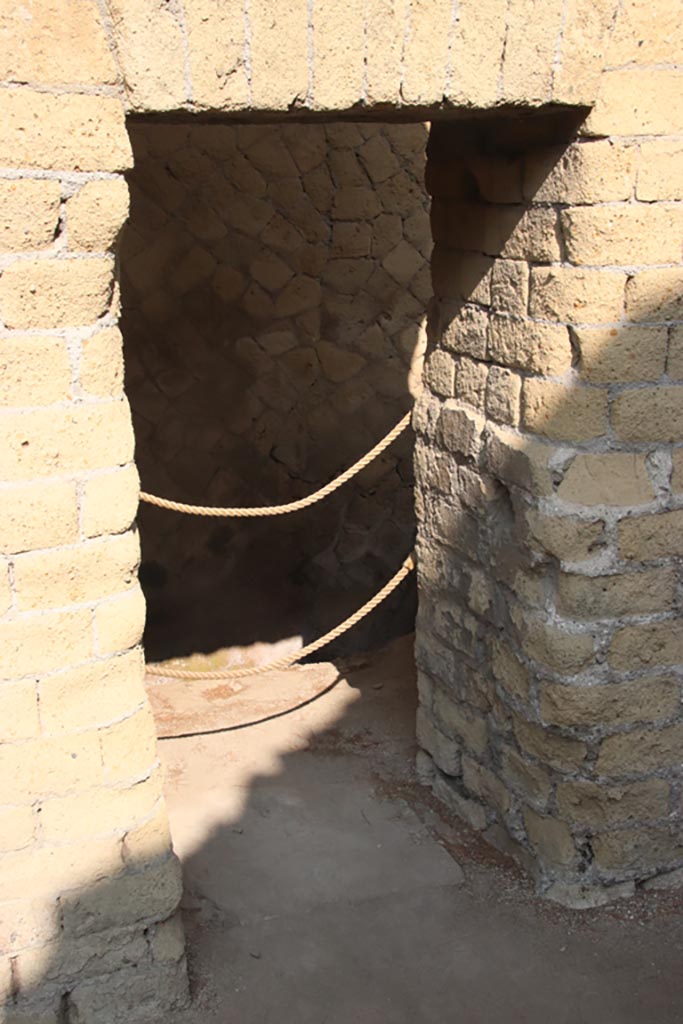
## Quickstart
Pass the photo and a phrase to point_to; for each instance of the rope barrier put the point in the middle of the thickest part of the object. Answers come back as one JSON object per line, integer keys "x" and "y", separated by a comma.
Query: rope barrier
{"x": 289, "y": 660}
{"x": 291, "y": 506}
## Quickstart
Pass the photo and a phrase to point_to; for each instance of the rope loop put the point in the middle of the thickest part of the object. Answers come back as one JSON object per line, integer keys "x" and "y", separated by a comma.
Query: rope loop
{"x": 289, "y": 660}
{"x": 290, "y": 506}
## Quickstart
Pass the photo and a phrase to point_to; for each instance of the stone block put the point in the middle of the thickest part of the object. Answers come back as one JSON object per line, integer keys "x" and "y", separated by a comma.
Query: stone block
{"x": 30, "y": 214}
{"x": 589, "y": 171}
{"x": 76, "y": 575}
{"x": 638, "y": 101}
{"x": 109, "y": 501}
{"x": 129, "y": 748}
{"x": 624, "y": 235}
{"x": 510, "y": 287}
{"x": 595, "y": 805}
{"x": 42, "y": 643}
{"x": 485, "y": 785}
{"x": 450, "y": 792}
{"x": 649, "y": 414}
{"x": 38, "y": 515}
{"x": 96, "y": 214}
{"x": 615, "y": 355}
{"x": 452, "y": 718}
{"x": 445, "y": 751}
{"x": 151, "y": 52}
{"x": 19, "y": 711}
{"x": 67, "y": 132}
{"x": 674, "y": 359}
{"x": 518, "y": 461}
{"x": 599, "y": 597}
{"x": 503, "y": 389}
{"x": 576, "y": 295}
{"x": 426, "y": 52}
{"x": 660, "y": 171}
{"x": 645, "y": 35}
{"x": 279, "y": 72}
{"x": 530, "y": 781}
{"x": 338, "y": 62}
{"x": 17, "y": 828}
{"x": 34, "y": 370}
{"x": 168, "y": 940}
{"x": 439, "y": 374}
{"x": 640, "y": 851}
{"x": 100, "y": 812}
{"x": 655, "y": 295}
{"x": 526, "y": 345}
{"x": 557, "y": 648}
{"x": 462, "y": 276}
{"x": 49, "y": 766}
{"x": 477, "y": 48}
{"x": 651, "y": 536}
{"x": 566, "y": 538}
{"x": 647, "y": 645}
{"x": 119, "y": 622}
{"x": 563, "y": 413}
{"x": 93, "y": 695}
{"x": 508, "y": 670}
{"x": 101, "y": 369}
{"x": 551, "y": 839}
{"x": 36, "y": 294}
{"x": 55, "y": 46}
{"x": 530, "y": 44}
{"x": 470, "y": 382}
{"x": 463, "y": 330}
{"x": 133, "y": 896}
{"x": 550, "y": 748}
{"x": 460, "y": 430}
{"x": 617, "y": 478}
{"x": 640, "y": 700}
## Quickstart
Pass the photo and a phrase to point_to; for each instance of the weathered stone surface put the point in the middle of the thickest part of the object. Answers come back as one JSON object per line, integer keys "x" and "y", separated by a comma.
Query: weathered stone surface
{"x": 589, "y": 804}
{"x": 30, "y": 214}
{"x": 55, "y": 293}
{"x": 65, "y": 132}
{"x": 614, "y": 479}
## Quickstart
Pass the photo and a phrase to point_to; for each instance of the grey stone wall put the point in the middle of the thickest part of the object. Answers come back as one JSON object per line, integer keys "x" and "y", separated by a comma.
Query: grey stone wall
{"x": 274, "y": 285}
{"x": 549, "y": 634}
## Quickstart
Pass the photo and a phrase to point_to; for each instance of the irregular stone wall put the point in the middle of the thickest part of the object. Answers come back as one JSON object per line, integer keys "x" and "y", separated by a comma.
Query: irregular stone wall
{"x": 274, "y": 284}
{"x": 549, "y": 459}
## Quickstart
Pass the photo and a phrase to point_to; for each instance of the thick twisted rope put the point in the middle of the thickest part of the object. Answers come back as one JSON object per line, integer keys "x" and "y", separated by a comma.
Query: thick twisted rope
{"x": 291, "y": 506}
{"x": 291, "y": 659}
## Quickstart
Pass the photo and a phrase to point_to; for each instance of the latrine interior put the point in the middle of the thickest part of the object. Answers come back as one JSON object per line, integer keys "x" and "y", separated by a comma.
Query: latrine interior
{"x": 275, "y": 280}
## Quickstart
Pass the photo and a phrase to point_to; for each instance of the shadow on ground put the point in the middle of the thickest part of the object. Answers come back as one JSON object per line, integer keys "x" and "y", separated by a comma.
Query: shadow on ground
{"x": 324, "y": 884}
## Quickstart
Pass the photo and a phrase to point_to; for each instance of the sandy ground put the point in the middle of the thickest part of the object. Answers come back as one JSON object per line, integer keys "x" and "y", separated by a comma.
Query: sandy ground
{"x": 324, "y": 885}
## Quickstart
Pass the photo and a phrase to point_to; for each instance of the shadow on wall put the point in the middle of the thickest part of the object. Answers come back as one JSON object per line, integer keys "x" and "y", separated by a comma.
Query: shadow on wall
{"x": 479, "y": 601}
{"x": 300, "y": 907}
{"x": 274, "y": 285}
{"x": 549, "y": 490}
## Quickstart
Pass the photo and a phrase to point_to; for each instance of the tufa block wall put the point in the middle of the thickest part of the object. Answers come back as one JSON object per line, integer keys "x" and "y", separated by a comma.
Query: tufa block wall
{"x": 549, "y": 637}
{"x": 90, "y": 883}
{"x": 274, "y": 283}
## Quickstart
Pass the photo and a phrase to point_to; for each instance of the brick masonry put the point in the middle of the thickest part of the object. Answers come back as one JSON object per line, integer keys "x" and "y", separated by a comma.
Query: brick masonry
{"x": 549, "y": 469}
{"x": 548, "y": 637}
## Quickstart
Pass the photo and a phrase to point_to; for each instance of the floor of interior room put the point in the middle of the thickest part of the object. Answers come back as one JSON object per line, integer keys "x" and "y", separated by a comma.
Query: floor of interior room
{"x": 324, "y": 885}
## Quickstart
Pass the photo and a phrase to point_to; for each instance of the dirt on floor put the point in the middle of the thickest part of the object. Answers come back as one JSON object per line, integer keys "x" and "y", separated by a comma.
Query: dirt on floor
{"x": 325, "y": 885}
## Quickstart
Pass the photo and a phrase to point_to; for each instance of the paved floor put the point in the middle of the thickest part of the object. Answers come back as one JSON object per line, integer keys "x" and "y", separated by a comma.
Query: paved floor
{"x": 324, "y": 886}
